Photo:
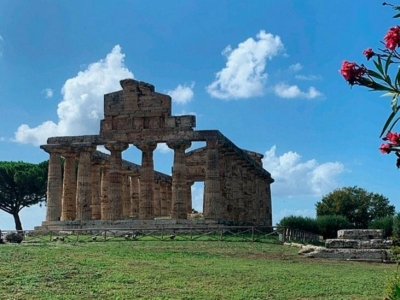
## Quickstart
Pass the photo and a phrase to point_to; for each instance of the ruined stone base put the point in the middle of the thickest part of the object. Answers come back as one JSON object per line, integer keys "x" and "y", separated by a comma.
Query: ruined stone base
{"x": 378, "y": 255}
{"x": 125, "y": 224}
{"x": 353, "y": 244}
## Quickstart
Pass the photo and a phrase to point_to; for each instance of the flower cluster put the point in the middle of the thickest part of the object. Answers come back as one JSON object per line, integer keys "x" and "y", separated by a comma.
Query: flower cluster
{"x": 394, "y": 143}
{"x": 385, "y": 78}
{"x": 352, "y": 72}
{"x": 392, "y": 38}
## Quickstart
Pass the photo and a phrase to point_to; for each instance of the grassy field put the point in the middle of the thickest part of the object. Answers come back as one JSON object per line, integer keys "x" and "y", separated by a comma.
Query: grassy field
{"x": 180, "y": 270}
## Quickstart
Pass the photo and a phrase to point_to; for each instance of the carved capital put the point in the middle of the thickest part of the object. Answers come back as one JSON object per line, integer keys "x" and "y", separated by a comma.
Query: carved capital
{"x": 116, "y": 146}
{"x": 146, "y": 145}
{"x": 179, "y": 144}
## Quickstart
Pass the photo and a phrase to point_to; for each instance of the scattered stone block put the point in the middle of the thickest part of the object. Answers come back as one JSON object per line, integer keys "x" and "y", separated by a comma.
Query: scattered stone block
{"x": 14, "y": 238}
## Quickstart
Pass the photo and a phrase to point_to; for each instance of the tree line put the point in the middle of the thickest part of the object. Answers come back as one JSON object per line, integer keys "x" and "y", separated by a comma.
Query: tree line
{"x": 346, "y": 208}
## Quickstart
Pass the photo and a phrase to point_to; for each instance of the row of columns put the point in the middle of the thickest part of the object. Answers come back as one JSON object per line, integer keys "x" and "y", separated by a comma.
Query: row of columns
{"x": 107, "y": 192}
{"x": 233, "y": 190}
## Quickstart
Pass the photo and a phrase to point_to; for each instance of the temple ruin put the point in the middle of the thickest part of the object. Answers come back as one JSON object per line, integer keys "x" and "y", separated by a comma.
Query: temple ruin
{"x": 94, "y": 189}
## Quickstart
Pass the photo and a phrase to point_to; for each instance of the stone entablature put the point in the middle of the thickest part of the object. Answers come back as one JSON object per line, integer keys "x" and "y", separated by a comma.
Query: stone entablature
{"x": 236, "y": 186}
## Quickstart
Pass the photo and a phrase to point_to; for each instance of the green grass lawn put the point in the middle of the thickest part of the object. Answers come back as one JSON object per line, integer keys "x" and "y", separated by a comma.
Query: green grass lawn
{"x": 181, "y": 270}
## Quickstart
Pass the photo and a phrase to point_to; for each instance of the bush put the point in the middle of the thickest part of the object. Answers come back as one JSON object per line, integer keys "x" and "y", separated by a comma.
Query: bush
{"x": 385, "y": 223}
{"x": 329, "y": 225}
{"x": 396, "y": 225}
{"x": 298, "y": 222}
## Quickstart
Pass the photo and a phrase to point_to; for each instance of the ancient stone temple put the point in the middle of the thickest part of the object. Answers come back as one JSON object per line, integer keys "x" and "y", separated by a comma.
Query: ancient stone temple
{"x": 97, "y": 189}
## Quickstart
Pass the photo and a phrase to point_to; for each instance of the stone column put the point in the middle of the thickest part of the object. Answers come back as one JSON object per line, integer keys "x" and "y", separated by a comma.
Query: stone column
{"x": 240, "y": 192}
{"x": 189, "y": 196}
{"x": 268, "y": 204}
{"x": 179, "y": 173}
{"x": 69, "y": 188}
{"x": 96, "y": 198}
{"x": 84, "y": 182}
{"x": 164, "y": 195}
{"x": 104, "y": 187}
{"x": 244, "y": 205}
{"x": 115, "y": 179}
{"x": 234, "y": 190}
{"x": 251, "y": 195}
{"x": 126, "y": 196}
{"x": 169, "y": 199}
{"x": 157, "y": 198}
{"x": 54, "y": 183}
{"x": 146, "y": 179}
{"x": 212, "y": 188}
{"x": 134, "y": 195}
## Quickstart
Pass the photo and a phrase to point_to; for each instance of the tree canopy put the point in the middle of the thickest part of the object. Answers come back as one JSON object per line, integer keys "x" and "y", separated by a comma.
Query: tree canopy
{"x": 358, "y": 205}
{"x": 21, "y": 185}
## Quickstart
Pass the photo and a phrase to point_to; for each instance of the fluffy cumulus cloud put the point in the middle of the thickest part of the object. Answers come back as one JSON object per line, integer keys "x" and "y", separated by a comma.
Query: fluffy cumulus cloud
{"x": 244, "y": 74}
{"x": 81, "y": 109}
{"x": 163, "y": 148}
{"x": 182, "y": 94}
{"x": 295, "y": 67}
{"x": 48, "y": 93}
{"x": 284, "y": 90}
{"x": 294, "y": 177}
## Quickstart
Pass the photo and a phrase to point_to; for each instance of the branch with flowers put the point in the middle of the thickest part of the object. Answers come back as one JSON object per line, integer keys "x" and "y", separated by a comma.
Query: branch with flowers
{"x": 382, "y": 78}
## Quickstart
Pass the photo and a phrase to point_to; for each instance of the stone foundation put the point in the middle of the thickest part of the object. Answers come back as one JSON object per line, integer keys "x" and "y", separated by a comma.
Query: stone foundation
{"x": 355, "y": 244}
{"x": 124, "y": 224}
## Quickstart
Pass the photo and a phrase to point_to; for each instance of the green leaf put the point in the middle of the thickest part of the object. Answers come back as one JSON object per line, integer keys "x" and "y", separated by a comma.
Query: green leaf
{"x": 396, "y": 16}
{"x": 394, "y": 103}
{"x": 398, "y": 291}
{"x": 388, "y": 62}
{"x": 394, "y": 123}
{"x": 388, "y": 121}
{"x": 388, "y": 80}
{"x": 378, "y": 65}
{"x": 391, "y": 94}
{"x": 376, "y": 75}
{"x": 397, "y": 81}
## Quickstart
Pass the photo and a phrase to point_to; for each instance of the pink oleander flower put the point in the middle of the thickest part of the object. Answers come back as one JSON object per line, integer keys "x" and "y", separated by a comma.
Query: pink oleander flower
{"x": 393, "y": 137}
{"x": 385, "y": 148}
{"x": 368, "y": 53}
{"x": 392, "y": 38}
{"x": 351, "y": 71}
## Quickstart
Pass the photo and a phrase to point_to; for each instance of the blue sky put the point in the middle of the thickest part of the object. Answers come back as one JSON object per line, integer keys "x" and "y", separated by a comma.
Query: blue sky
{"x": 264, "y": 73}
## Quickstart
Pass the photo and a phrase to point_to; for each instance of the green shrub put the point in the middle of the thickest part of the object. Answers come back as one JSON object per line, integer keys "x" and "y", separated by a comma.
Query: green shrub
{"x": 385, "y": 223}
{"x": 298, "y": 222}
{"x": 329, "y": 225}
{"x": 396, "y": 225}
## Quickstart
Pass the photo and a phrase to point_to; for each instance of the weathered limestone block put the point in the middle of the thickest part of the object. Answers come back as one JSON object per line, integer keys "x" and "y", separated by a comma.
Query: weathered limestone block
{"x": 349, "y": 254}
{"x": 342, "y": 243}
{"x": 358, "y": 244}
{"x": 360, "y": 234}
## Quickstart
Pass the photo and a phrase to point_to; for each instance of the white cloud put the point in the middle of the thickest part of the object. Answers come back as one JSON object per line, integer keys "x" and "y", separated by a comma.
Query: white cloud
{"x": 163, "y": 148}
{"x": 48, "y": 93}
{"x": 308, "y": 77}
{"x": 243, "y": 75}
{"x": 198, "y": 196}
{"x": 284, "y": 90}
{"x": 295, "y": 67}
{"x": 182, "y": 94}
{"x": 81, "y": 109}
{"x": 294, "y": 177}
